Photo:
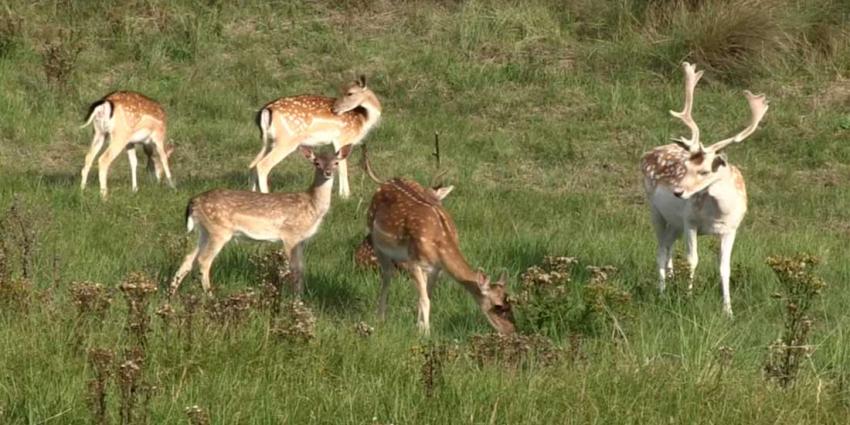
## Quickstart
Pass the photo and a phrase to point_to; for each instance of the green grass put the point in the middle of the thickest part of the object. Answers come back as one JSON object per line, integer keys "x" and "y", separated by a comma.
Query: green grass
{"x": 543, "y": 111}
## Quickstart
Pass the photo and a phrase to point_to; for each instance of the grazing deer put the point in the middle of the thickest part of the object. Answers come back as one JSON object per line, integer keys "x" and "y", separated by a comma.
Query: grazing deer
{"x": 289, "y": 122}
{"x": 409, "y": 227}
{"x": 693, "y": 190}
{"x": 127, "y": 119}
{"x": 291, "y": 218}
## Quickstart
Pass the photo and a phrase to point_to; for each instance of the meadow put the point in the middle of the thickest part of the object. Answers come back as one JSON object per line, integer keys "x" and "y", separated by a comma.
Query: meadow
{"x": 543, "y": 110}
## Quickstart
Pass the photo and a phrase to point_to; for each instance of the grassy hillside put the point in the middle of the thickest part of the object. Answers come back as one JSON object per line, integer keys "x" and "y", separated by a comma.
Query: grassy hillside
{"x": 543, "y": 110}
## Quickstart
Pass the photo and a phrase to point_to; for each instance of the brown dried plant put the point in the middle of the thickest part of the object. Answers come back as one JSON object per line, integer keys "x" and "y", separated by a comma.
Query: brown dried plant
{"x": 799, "y": 288}
{"x": 137, "y": 288}
{"x": 513, "y": 350}
{"x": 233, "y": 309}
{"x": 59, "y": 54}
{"x": 188, "y": 316}
{"x": 297, "y": 324}
{"x": 197, "y": 415}
{"x": 363, "y": 330}
{"x": 130, "y": 385}
{"x": 274, "y": 273}
{"x": 19, "y": 233}
{"x": 91, "y": 299}
{"x": 101, "y": 362}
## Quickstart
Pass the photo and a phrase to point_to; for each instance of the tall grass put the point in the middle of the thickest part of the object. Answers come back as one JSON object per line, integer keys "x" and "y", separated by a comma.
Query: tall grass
{"x": 543, "y": 110}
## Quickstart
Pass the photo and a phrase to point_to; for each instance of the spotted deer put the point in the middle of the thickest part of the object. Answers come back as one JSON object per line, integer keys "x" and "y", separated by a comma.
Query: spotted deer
{"x": 409, "y": 227}
{"x": 289, "y": 122}
{"x": 694, "y": 190}
{"x": 291, "y": 218}
{"x": 127, "y": 119}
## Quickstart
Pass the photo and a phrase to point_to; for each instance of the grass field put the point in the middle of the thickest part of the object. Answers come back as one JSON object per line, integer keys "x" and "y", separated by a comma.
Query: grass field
{"x": 543, "y": 110}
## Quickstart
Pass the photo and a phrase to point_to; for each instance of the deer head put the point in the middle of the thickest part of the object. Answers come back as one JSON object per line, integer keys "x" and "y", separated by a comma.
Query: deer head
{"x": 325, "y": 163}
{"x": 495, "y": 304}
{"x": 701, "y": 167}
{"x": 353, "y": 95}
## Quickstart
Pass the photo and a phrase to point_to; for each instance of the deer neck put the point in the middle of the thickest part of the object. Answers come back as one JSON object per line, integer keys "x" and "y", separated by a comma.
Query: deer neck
{"x": 456, "y": 266}
{"x": 320, "y": 192}
{"x": 373, "y": 111}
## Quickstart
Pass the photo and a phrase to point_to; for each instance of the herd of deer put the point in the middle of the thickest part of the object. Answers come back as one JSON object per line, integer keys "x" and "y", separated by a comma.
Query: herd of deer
{"x": 692, "y": 189}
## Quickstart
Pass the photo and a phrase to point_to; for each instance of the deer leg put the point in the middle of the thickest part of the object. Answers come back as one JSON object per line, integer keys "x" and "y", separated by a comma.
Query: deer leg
{"x": 187, "y": 264}
{"x": 134, "y": 162}
{"x": 296, "y": 262}
{"x": 96, "y": 145}
{"x": 666, "y": 236}
{"x": 726, "y": 243}
{"x": 692, "y": 254}
{"x": 264, "y": 167}
{"x": 117, "y": 144}
{"x": 153, "y": 166}
{"x": 342, "y": 170}
{"x": 424, "y": 313}
{"x": 387, "y": 272}
{"x": 206, "y": 255}
{"x": 158, "y": 138}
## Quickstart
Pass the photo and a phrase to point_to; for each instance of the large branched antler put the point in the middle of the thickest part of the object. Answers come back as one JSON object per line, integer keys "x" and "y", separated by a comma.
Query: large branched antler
{"x": 758, "y": 107}
{"x": 691, "y": 78}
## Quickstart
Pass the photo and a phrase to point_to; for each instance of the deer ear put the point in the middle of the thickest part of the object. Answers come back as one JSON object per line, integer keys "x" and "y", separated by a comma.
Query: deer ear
{"x": 719, "y": 161}
{"x": 307, "y": 152}
{"x": 344, "y": 152}
{"x": 361, "y": 81}
{"x": 442, "y": 192}
{"x": 503, "y": 279}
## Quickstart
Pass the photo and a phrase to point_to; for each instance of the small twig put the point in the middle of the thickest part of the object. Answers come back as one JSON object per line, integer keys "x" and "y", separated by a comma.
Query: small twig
{"x": 437, "y": 148}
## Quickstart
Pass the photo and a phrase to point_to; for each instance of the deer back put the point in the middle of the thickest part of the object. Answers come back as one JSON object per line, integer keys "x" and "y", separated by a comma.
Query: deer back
{"x": 136, "y": 109}
{"x": 305, "y": 114}
{"x": 404, "y": 214}
{"x": 261, "y": 216}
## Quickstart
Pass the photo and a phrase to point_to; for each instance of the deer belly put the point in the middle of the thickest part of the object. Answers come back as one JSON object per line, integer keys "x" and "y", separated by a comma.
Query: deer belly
{"x": 669, "y": 206}
{"x": 259, "y": 234}
{"x": 388, "y": 246}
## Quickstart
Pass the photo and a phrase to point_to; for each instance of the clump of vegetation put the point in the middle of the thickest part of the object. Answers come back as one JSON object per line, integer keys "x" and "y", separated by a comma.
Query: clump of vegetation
{"x": 130, "y": 385}
{"x": 544, "y": 293}
{"x": 191, "y": 304}
{"x": 59, "y": 56}
{"x": 10, "y": 31}
{"x": 101, "y": 362}
{"x": 91, "y": 299}
{"x": 137, "y": 288}
{"x": 799, "y": 287}
{"x": 363, "y": 330}
{"x": 514, "y": 350}
{"x": 275, "y": 274}
{"x": 18, "y": 250}
{"x": 197, "y": 415}
{"x": 550, "y": 301}
{"x": 233, "y": 309}
{"x": 297, "y": 324}
{"x": 433, "y": 356}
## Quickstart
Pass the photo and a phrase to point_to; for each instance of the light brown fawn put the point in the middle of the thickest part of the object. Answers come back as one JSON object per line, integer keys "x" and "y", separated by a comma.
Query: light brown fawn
{"x": 692, "y": 189}
{"x": 289, "y": 122}
{"x": 408, "y": 226}
{"x": 127, "y": 119}
{"x": 291, "y": 218}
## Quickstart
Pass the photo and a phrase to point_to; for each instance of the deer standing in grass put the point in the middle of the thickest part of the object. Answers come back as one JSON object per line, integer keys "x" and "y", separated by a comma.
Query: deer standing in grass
{"x": 127, "y": 119}
{"x": 693, "y": 190}
{"x": 289, "y": 122}
{"x": 292, "y": 218}
{"x": 408, "y": 226}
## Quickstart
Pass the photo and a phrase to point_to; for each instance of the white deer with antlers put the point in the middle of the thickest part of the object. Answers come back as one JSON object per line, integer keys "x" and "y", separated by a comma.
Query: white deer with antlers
{"x": 289, "y": 122}
{"x": 291, "y": 218}
{"x": 127, "y": 118}
{"x": 693, "y": 190}
{"x": 409, "y": 227}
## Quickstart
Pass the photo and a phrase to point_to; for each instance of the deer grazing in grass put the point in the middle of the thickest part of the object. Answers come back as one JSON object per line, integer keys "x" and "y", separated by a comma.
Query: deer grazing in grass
{"x": 127, "y": 119}
{"x": 289, "y": 122}
{"x": 409, "y": 227}
{"x": 292, "y": 218}
{"x": 694, "y": 190}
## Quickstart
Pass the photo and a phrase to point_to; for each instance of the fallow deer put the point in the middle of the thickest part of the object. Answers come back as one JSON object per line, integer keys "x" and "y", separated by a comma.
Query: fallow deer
{"x": 127, "y": 119}
{"x": 694, "y": 190}
{"x": 408, "y": 226}
{"x": 289, "y": 122}
{"x": 291, "y": 218}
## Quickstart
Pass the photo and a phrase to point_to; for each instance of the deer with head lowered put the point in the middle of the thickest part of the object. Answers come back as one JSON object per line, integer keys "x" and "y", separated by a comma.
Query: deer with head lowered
{"x": 127, "y": 119}
{"x": 291, "y": 218}
{"x": 289, "y": 122}
{"x": 693, "y": 190}
{"x": 409, "y": 227}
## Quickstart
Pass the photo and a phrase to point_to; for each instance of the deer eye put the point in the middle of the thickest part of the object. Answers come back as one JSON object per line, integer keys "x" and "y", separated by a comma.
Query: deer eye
{"x": 704, "y": 172}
